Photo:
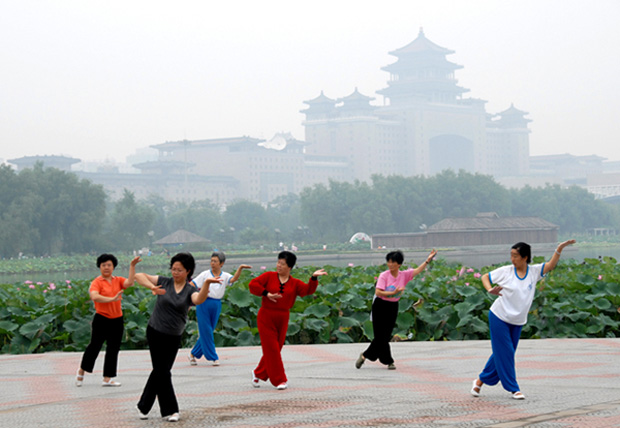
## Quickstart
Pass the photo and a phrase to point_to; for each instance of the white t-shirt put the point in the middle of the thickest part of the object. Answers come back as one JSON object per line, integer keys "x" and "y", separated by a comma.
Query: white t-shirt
{"x": 517, "y": 293}
{"x": 216, "y": 290}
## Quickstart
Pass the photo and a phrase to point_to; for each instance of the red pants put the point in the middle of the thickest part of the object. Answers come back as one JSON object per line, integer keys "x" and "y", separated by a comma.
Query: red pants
{"x": 272, "y": 326}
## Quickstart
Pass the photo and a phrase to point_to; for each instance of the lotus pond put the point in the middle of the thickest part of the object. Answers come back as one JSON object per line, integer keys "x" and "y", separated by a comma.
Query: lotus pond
{"x": 446, "y": 302}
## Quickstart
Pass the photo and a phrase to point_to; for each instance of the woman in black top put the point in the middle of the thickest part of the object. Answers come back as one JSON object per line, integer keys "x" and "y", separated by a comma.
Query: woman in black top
{"x": 175, "y": 295}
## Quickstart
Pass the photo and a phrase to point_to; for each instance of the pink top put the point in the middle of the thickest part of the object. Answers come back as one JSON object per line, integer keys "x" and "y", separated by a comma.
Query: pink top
{"x": 387, "y": 282}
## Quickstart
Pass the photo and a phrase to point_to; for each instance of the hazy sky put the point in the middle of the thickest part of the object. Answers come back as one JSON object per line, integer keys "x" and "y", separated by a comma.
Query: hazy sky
{"x": 99, "y": 79}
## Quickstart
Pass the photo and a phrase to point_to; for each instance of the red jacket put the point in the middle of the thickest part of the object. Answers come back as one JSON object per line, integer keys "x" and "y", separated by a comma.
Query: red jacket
{"x": 292, "y": 288}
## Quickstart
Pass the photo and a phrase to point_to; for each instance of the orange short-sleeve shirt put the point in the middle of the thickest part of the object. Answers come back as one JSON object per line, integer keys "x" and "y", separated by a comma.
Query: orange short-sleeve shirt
{"x": 108, "y": 289}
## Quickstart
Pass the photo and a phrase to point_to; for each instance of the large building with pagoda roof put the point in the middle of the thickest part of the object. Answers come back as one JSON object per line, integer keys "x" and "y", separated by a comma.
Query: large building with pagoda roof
{"x": 424, "y": 126}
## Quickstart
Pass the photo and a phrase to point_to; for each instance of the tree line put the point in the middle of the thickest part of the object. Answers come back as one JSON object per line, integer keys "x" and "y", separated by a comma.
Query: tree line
{"x": 46, "y": 211}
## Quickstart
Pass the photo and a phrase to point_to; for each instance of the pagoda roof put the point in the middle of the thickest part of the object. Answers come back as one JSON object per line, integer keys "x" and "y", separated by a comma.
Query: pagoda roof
{"x": 419, "y": 45}
{"x": 28, "y": 160}
{"x": 512, "y": 111}
{"x": 356, "y": 96}
{"x": 180, "y": 237}
{"x": 321, "y": 99}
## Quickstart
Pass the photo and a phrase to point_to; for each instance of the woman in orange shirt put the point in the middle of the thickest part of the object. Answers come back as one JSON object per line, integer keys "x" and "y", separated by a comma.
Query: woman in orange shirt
{"x": 106, "y": 292}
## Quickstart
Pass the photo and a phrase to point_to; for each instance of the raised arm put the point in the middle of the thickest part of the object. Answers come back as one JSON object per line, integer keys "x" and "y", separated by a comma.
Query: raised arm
{"x": 486, "y": 283}
{"x": 132, "y": 272}
{"x": 551, "y": 264}
{"x": 238, "y": 273}
{"x": 426, "y": 262}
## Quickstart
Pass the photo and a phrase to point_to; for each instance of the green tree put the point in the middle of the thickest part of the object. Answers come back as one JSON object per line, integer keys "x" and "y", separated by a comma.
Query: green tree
{"x": 201, "y": 217}
{"x": 241, "y": 214}
{"x": 130, "y": 223}
{"x": 47, "y": 211}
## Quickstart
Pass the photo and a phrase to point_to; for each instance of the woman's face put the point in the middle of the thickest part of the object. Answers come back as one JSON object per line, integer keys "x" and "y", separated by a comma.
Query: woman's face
{"x": 393, "y": 266}
{"x": 106, "y": 269}
{"x": 516, "y": 258}
{"x": 282, "y": 268}
{"x": 179, "y": 273}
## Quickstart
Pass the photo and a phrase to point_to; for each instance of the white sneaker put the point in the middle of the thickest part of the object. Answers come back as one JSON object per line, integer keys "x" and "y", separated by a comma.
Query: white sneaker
{"x": 174, "y": 417}
{"x": 140, "y": 414}
{"x": 192, "y": 359}
{"x": 216, "y": 362}
{"x": 255, "y": 380}
{"x": 282, "y": 386}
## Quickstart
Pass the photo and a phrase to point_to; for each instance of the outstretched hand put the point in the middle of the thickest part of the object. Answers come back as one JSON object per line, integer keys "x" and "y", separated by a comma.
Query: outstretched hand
{"x": 566, "y": 244}
{"x": 497, "y": 290}
{"x": 119, "y": 296}
{"x": 135, "y": 261}
{"x": 431, "y": 256}
{"x": 212, "y": 280}
{"x": 274, "y": 297}
{"x": 319, "y": 272}
{"x": 158, "y": 291}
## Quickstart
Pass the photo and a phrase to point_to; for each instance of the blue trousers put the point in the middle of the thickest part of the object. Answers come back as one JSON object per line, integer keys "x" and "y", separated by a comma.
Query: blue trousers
{"x": 501, "y": 364}
{"x": 207, "y": 314}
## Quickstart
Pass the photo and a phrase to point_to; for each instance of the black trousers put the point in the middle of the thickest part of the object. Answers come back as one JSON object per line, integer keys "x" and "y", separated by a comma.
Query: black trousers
{"x": 110, "y": 331}
{"x": 384, "y": 315}
{"x": 163, "y": 349}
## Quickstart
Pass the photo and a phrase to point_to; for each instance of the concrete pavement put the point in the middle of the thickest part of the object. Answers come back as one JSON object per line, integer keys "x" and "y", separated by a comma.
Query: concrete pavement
{"x": 567, "y": 383}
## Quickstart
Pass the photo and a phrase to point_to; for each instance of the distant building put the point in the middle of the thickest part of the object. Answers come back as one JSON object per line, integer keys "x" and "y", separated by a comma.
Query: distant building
{"x": 50, "y": 161}
{"x": 425, "y": 127}
{"x": 484, "y": 229}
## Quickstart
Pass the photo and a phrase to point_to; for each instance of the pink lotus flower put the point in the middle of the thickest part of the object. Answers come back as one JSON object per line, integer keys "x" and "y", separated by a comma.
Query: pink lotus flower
{"x": 467, "y": 283}
{"x": 469, "y": 270}
{"x": 68, "y": 281}
{"x": 52, "y": 286}
{"x": 18, "y": 288}
{"x": 600, "y": 277}
{"x": 39, "y": 283}
{"x": 31, "y": 286}
{"x": 477, "y": 275}
{"x": 45, "y": 291}
{"x": 263, "y": 267}
{"x": 68, "y": 286}
{"x": 27, "y": 282}
{"x": 351, "y": 265}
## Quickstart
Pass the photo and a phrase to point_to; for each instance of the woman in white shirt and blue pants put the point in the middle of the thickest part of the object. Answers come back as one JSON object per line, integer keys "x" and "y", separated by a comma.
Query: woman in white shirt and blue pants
{"x": 208, "y": 313}
{"x": 515, "y": 285}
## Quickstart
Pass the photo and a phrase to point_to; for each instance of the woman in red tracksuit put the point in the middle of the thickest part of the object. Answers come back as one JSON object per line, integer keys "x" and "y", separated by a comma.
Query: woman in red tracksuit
{"x": 279, "y": 290}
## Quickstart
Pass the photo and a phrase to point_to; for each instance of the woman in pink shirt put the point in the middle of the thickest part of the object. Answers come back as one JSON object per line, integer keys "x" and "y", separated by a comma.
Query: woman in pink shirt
{"x": 390, "y": 286}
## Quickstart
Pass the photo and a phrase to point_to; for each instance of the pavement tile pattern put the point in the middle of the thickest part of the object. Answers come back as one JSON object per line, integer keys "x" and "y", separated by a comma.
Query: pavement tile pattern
{"x": 567, "y": 383}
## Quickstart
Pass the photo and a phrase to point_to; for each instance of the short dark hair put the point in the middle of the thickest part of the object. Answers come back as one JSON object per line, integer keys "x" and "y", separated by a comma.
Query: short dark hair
{"x": 107, "y": 257}
{"x": 395, "y": 256}
{"x": 188, "y": 262}
{"x": 220, "y": 256}
{"x": 523, "y": 249}
{"x": 288, "y": 257}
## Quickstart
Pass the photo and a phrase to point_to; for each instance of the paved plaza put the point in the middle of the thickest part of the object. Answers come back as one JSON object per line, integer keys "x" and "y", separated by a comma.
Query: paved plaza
{"x": 567, "y": 383}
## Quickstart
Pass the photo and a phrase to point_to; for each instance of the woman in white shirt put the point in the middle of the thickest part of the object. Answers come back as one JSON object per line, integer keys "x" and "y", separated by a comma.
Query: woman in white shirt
{"x": 515, "y": 285}
{"x": 208, "y": 313}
